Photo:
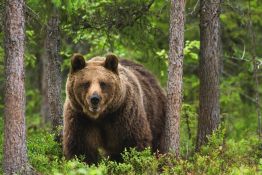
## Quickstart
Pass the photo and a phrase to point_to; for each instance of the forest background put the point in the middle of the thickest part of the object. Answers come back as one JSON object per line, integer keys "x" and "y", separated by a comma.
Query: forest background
{"x": 138, "y": 30}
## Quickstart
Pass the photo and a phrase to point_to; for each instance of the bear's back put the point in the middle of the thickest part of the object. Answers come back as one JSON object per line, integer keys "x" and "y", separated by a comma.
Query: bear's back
{"x": 154, "y": 99}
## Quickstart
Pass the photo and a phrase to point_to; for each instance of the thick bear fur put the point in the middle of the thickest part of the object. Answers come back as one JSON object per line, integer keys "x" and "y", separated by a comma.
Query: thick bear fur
{"x": 130, "y": 113}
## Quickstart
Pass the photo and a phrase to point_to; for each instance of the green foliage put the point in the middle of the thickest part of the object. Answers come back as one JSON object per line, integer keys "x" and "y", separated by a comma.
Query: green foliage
{"x": 33, "y": 101}
{"x": 75, "y": 167}
{"x": 188, "y": 129}
{"x": 134, "y": 162}
{"x": 191, "y": 51}
{"x": 131, "y": 31}
{"x": 219, "y": 156}
{"x": 44, "y": 153}
{"x": 142, "y": 162}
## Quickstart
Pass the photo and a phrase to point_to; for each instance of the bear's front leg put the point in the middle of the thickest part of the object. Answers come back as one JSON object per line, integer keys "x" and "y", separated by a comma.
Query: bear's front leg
{"x": 81, "y": 141}
{"x": 79, "y": 138}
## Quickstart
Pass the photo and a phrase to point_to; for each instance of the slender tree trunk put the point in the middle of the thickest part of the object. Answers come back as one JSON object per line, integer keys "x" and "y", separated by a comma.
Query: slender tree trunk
{"x": 175, "y": 73}
{"x": 15, "y": 157}
{"x": 54, "y": 73}
{"x": 209, "y": 109}
{"x": 45, "y": 109}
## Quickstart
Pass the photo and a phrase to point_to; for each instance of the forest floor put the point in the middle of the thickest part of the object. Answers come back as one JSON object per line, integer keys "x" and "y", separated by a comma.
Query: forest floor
{"x": 220, "y": 156}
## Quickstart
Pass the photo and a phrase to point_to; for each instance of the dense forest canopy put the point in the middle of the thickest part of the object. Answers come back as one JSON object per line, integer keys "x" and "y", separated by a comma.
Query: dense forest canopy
{"x": 139, "y": 30}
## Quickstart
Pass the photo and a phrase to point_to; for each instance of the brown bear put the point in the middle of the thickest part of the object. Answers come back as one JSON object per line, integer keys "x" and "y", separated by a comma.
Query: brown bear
{"x": 111, "y": 105}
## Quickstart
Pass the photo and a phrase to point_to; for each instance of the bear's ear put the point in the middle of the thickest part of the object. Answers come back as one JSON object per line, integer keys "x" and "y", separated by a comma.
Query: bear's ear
{"x": 77, "y": 62}
{"x": 111, "y": 63}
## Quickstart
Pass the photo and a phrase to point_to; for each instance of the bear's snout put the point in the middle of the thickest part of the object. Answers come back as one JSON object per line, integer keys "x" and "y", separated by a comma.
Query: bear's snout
{"x": 95, "y": 99}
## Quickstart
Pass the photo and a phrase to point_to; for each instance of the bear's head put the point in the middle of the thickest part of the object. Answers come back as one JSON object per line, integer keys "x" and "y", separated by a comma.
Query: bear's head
{"x": 93, "y": 86}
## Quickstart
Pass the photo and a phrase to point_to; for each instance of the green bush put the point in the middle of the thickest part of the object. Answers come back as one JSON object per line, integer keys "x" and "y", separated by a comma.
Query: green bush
{"x": 219, "y": 156}
{"x": 134, "y": 162}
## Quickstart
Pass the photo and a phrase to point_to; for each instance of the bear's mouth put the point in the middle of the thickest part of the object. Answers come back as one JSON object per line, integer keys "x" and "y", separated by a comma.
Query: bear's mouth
{"x": 94, "y": 109}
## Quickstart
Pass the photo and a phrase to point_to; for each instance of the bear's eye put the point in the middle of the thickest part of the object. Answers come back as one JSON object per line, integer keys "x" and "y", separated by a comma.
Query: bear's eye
{"x": 103, "y": 85}
{"x": 85, "y": 85}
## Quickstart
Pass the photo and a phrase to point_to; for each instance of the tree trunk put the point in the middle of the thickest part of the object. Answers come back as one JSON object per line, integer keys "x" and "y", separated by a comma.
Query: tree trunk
{"x": 209, "y": 109}
{"x": 175, "y": 73}
{"x": 54, "y": 73}
{"x": 15, "y": 157}
{"x": 45, "y": 109}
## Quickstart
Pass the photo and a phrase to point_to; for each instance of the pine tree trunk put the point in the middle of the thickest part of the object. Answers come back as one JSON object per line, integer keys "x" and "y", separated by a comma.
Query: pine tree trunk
{"x": 45, "y": 109}
{"x": 209, "y": 109}
{"x": 54, "y": 73}
{"x": 15, "y": 157}
{"x": 175, "y": 73}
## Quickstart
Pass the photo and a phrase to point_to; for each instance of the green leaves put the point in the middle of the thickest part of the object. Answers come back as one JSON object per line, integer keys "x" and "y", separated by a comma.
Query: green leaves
{"x": 57, "y": 3}
{"x": 191, "y": 50}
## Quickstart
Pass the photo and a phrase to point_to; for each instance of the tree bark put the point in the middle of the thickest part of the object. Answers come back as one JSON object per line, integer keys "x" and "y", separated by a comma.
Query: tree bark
{"x": 45, "y": 109}
{"x": 15, "y": 157}
{"x": 209, "y": 108}
{"x": 54, "y": 73}
{"x": 175, "y": 73}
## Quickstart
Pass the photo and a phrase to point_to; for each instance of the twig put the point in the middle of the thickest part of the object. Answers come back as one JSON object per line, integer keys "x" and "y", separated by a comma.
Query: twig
{"x": 194, "y": 9}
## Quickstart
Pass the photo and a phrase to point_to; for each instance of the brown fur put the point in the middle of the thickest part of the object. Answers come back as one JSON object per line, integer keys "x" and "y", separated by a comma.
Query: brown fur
{"x": 130, "y": 114}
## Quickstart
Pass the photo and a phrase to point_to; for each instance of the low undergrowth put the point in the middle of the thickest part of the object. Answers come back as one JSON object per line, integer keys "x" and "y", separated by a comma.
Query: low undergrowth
{"x": 217, "y": 157}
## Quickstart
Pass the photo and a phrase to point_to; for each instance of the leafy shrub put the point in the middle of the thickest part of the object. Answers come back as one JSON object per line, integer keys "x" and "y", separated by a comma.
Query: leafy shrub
{"x": 219, "y": 156}
{"x": 134, "y": 162}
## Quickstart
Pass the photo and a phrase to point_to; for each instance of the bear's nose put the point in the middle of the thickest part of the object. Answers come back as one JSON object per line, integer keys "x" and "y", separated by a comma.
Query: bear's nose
{"x": 95, "y": 99}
